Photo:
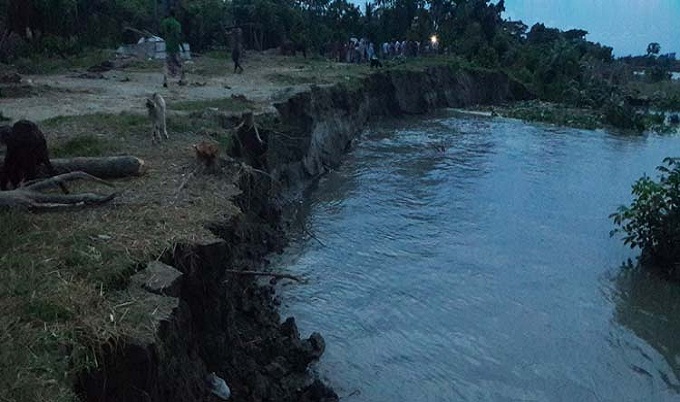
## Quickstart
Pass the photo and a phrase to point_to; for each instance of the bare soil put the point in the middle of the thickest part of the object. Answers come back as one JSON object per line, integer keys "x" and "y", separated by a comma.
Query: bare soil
{"x": 267, "y": 77}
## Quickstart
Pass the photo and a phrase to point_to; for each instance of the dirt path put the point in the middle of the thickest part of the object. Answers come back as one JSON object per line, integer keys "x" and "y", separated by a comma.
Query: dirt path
{"x": 266, "y": 78}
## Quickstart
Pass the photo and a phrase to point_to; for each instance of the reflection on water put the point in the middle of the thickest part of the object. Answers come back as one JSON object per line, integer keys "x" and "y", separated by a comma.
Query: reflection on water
{"x": 469, "y": 259}
{"x": 650, "y": 307}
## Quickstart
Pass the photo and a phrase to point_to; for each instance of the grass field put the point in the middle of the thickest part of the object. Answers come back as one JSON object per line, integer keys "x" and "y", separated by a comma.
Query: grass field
{"x": 64, "y": 274}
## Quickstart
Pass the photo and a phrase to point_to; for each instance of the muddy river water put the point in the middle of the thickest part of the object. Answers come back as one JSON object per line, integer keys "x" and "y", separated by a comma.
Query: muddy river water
{"x": 469, "y": 259}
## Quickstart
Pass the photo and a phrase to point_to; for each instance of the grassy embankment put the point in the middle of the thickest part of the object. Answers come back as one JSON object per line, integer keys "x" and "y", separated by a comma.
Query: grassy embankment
{"x": 39, "y": 64}
{"x": 64, "y": 274}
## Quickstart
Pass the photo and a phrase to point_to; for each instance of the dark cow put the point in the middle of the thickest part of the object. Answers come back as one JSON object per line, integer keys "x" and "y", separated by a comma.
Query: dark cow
{"x": 375, "y": 63}
{"x": 26, "y": 150}
{"x": 290, "y": 48}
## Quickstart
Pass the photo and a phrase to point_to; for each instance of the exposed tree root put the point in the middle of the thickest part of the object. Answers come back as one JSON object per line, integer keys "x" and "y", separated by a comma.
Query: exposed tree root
{"x": 31, "y": 197}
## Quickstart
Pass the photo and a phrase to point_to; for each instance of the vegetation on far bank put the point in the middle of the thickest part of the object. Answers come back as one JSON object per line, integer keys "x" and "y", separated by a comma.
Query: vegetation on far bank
{"x": 558, "y": 66}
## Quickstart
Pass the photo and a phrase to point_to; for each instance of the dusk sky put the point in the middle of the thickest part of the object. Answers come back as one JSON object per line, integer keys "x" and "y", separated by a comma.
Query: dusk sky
{"x": 626, "y": 25}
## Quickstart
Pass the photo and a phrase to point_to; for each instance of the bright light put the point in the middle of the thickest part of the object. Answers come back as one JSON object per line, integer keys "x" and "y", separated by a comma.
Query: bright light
{"x": 433, "y": 39}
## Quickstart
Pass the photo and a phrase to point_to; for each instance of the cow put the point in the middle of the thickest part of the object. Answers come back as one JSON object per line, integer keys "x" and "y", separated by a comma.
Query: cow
{"x": 26, "y": 151}
{"x": 290, "y": 48}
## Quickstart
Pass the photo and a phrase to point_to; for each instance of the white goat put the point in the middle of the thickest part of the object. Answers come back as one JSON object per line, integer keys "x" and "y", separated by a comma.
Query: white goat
{"x": 156, "y": 106}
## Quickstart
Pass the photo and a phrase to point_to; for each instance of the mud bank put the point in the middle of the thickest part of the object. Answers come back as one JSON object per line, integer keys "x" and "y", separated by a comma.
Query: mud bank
{"x": 327, "y": 119}
{"x": 209, "y": 319}
{"x": 212, "y": 320}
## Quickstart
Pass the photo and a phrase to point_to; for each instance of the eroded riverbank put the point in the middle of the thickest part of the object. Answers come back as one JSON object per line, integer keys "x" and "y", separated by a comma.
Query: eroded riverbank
{"x": 214, "y": 321}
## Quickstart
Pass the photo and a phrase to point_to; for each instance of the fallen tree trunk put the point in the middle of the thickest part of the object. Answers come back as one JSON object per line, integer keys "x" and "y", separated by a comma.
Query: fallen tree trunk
{"x": 31, "y": 197}
{"x": 107, "y": 167}
{"x": 110, "y": 167}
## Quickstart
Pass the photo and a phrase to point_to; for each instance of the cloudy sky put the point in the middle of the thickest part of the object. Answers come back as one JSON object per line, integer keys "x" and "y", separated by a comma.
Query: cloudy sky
{"x": 626, "y": 25}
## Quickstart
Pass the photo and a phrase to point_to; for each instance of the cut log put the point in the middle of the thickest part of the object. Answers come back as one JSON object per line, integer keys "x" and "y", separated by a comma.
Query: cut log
{"x": 111, "y": 167}
{"x": 108, "y": 167}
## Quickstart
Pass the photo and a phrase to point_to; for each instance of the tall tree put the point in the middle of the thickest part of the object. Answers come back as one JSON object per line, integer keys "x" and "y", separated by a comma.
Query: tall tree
{"x": 653, "y": 49}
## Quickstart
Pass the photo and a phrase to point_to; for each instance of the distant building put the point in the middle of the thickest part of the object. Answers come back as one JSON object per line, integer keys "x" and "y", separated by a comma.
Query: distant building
{"x": 667, "y": 56}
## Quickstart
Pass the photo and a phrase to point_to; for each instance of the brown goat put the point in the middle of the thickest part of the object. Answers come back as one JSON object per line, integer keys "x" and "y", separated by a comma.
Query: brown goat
{"x": 26, "y": 150}
{"x": 207, "y": 153}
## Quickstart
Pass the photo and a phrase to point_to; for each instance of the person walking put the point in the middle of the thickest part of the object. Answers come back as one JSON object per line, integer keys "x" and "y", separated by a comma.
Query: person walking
{"x": 172, "y": 33}
{"x": 236, "y": 35}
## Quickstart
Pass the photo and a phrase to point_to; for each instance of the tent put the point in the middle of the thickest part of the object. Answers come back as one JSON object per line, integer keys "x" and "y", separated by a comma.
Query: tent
{"x": 151, "y": 47}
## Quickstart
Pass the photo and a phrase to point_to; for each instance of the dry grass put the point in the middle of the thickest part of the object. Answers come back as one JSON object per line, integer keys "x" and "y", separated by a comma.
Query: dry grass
{"x": 64, "y": 274}
{"x": 40, "y": 64}
{"x": 301, "y": 71}
{"x": 224, "y": 104}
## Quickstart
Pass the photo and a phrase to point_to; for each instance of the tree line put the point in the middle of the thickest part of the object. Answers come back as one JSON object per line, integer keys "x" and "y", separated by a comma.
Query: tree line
{"x": 472, "y": 27}
{"x": 557, "y": 65}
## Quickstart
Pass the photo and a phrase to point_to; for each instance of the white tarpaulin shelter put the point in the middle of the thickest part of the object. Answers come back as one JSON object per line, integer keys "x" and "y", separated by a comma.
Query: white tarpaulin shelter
{"x": 151, "y": 47}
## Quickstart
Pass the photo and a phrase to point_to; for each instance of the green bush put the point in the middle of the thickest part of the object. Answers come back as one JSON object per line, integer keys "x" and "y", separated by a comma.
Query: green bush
{"x": 670, "y": 102}
{"x": 623, "y": 116}
{"x": 652, "y": 222}
{"x": 658, "y": 73}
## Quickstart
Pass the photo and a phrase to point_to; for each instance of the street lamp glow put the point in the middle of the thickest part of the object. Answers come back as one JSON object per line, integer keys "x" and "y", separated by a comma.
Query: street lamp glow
{"x": 433, "y": 39}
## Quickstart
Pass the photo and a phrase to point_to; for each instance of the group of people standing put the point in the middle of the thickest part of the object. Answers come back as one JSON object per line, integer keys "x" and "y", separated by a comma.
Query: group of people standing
{"x": 404, "y": 48}
{"x": 353, "y": 51}
{"x": 357, "y": 51}
{"x": 363, "y": 50}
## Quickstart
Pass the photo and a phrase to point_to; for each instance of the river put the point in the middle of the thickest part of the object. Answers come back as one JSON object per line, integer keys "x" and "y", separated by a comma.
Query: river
{"x": 469, "y": 259}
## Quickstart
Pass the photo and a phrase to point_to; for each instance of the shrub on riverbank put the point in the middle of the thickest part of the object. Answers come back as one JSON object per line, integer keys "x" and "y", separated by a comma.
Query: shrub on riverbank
{"x": 652, "y": 221}
{"x": 624, "y": 116}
